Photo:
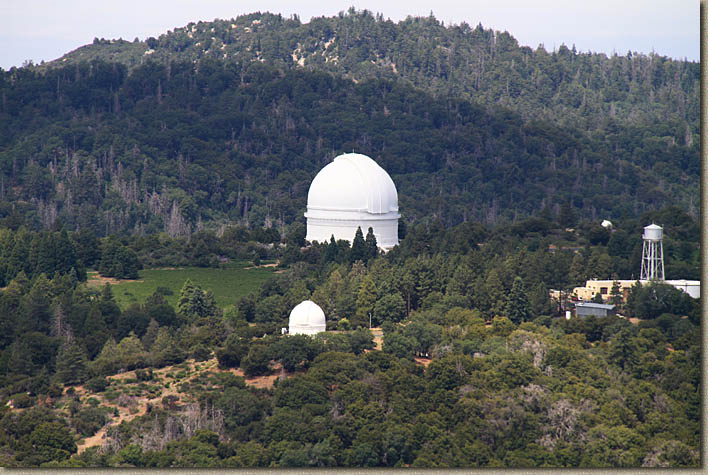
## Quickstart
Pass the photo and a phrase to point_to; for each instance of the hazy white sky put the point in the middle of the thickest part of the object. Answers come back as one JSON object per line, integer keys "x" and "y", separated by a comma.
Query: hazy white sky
{"x": 46, "y": 29}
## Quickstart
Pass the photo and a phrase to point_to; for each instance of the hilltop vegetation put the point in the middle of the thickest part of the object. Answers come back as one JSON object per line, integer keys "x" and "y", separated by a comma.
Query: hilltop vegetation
{"x": 505, "y": 383}
{"x": 490, "y": 67}
{"x": 196, "y": 149}
{"x": 173, "y": 148}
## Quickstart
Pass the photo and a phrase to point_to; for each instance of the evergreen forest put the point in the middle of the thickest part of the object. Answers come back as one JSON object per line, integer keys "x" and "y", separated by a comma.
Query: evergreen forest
{"x": 197, "y": 148}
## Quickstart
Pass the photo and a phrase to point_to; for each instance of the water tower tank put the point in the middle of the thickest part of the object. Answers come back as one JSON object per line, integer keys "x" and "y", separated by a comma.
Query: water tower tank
{"x": 653, "y": 233}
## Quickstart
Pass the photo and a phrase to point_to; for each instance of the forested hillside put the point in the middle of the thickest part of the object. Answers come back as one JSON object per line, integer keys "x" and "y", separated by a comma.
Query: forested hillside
{"x": 487, "y": 66}
{"x": 172, "y": 147}
{"x": 502, "y": 381}
{"x": 192, "y": 154}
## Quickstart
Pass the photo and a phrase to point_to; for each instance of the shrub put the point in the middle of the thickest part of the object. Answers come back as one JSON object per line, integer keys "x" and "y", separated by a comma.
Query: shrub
{"x": 88, "y": 421}
{"x": 97, "y": 384}
{"x": 55, "y": 391}
{"x": 22, "y": 400}
{"x": 201, "y": 353}
{"x": 144, "y": 374}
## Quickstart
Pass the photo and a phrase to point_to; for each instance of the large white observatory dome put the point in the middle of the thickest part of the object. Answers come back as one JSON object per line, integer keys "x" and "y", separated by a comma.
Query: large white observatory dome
{"x": 306, "y": 318}
{"x": 352, "y": 191}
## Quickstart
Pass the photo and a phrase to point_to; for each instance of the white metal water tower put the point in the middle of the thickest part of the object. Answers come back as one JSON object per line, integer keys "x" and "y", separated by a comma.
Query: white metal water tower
{"x": 652, "y": 253}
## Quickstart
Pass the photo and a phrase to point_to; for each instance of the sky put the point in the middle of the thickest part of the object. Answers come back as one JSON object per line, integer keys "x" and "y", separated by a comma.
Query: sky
{"x": 43, "y": 30}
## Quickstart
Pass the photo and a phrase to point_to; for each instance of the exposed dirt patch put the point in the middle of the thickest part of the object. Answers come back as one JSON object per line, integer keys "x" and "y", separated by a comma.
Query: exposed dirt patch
{"x": 378, "y": 337}
{"x": 259, "y": 381}
{"x": 139, "y": 407}
{"x": 96, "y": 280}
{"x": 274, "y": 264}
{"x": 422, "y": 361}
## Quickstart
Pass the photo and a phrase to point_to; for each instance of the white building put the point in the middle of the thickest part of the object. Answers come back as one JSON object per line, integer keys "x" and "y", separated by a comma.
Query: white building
{"x": 652, "y": 271}
{"x": 307, "y": 318}
{"x": 352, "y": 191}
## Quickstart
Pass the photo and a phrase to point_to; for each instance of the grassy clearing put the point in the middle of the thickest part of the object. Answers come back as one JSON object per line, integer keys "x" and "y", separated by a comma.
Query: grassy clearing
{"x": 227, "y": 284}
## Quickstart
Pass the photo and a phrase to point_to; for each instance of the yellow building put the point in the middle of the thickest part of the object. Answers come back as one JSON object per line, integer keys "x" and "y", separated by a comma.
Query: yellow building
{"x": 602, "y": 287}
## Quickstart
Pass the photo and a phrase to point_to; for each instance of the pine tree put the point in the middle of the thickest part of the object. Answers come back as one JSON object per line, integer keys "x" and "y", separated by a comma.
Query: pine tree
{"x": 517, "y": 305}
{"x": 372, "y": 248}
{"x": 540, "y": 301}
{"x": 165, "y": 350}
{"x": 330, "y": 253}
{"x": 495, "y": 294}
{"x": 46, "y": 255}
{"x": 150, "y": 334}
{"x": 616, "y": 293}
{"x": 72, "y": 363}
{"x": 186, "y": 297}
{"x": 95, "y": 331}
{"x": 196, "y": 303}
{"x": 108, "y": 360}
{"x": 365, "y": 301}
{"x": 359, "y": 250}
{"x": 576, "y": 273}
{"x": 65, "y": 253}
{"x": 131, "y": 352}
{"x": 36, "y": 307}
{"x": 566, "y": 216}
{"x": 108, "y": 306}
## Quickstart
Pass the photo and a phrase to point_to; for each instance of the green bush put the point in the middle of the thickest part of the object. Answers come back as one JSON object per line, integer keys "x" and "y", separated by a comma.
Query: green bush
{"x": 144, "y": 374}
{"x": 97, "y": 384}
{"x": 89, "y": 421}
{"x": 22, "y": 400}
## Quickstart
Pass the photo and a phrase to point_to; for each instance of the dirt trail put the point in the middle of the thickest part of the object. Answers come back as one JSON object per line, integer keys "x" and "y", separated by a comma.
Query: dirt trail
{"x": 140, "y": 408}
{"x": 378, "y": 337}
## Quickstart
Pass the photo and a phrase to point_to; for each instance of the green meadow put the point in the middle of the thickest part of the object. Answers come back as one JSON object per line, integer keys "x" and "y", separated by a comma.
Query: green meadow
{"x": 227, "y": 284}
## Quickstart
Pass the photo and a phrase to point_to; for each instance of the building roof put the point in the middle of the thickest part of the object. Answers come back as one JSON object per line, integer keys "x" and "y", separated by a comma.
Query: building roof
{"x": 353, "y": 182}
{"x": 594, "y": 305}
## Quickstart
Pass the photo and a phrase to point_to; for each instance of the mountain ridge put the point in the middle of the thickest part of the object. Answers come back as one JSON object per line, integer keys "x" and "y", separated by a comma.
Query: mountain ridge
{"x": 172, "y": 145}
{"x": 479, "y": 64}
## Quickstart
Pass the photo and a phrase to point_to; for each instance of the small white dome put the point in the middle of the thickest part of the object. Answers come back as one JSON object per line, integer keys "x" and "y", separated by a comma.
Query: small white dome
{"x": 607, "y": 224}
{"x": 353, "y": 182}
{"x": 307, "y": 318}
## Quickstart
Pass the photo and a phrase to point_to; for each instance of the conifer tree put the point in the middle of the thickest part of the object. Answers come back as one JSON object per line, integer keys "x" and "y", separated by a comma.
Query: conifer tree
{"x": 577, "y": 274}
{"x": 495, "y": 295}
{"x": 359, "y": 249}
{"x": 64, "y": 252}
{"x": 36, "y": 307}
{"x": 71, "y": 363}
{"x": 540, "y": 301}
{"x": 365, "y": 301}
{"x": 517, "y": 306}
{"x": 330, "y": 254}
{"x": 108, "y": 360}
{"x": 165, "y": 350}
{"x": 150, "y": 334}
{"x": 616, "y": 293}
{"x": 186, "y": 297}
{"x": 372, "y": 248}
{"x": 95, "y": 331}
{"x": 131, "y": 352}
{"x": 108, "y": 306}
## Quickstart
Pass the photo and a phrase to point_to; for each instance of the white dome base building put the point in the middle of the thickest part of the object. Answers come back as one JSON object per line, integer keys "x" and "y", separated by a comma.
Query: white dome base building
{"x": 352, "y": 192}
{"x": 307, "y": 318}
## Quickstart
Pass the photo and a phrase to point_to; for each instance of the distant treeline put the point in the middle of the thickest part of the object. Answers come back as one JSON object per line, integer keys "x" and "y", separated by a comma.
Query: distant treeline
{"x": 176, "y": 147}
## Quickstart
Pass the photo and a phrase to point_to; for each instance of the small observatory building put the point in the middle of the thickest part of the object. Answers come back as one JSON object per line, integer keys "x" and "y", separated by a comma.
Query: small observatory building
{"x": 306, "y": 318}
{"x": 352, "y": 192}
